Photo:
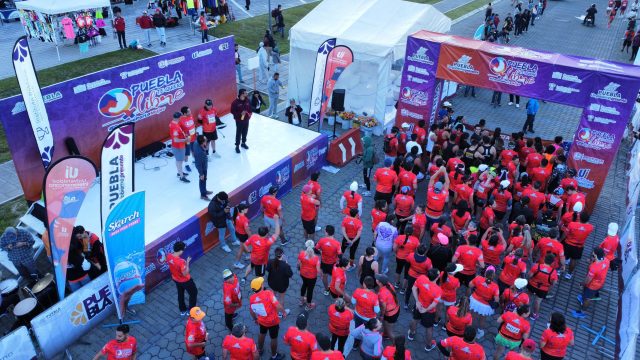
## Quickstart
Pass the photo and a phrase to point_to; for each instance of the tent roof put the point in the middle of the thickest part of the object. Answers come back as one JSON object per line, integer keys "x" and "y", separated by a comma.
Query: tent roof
{"x": 52, "y": 7}
{"x": 369, "y": 27}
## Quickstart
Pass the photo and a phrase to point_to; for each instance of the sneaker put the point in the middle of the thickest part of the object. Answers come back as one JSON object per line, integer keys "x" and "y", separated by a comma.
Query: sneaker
{"x": 534, "y": 317}
{"x": 578, "y": 314}
{"x": 325, "y": 293}
{"x": 397, "y": 284}
{"x": 580, "y": 300}
{"x": 517, "y": 105}
{"x": 510, "y": 103}
{"x": 184, "y": 313}
{"x": 310, "y": 307}
{"x": 244, "y": 146}
{"x": 366, "y": 193}
{"x": 410, "y": 336}
{"x": 402, "y": 291}
{"x": 433, "y": 346}
{"x": 205, "y": 198}
{"x": 568, "y": 276}
{"x": 480, "y": 334}
{"x": 184, "y": 180}
{"x": 277, "y": 357}
{"x": 444, "y": 327}
{"x": 236, "y": 243}
{"x": 216, "y": 155}
{"x": 362, "y": 186}
{"x": 237, "y": 150}
{"x": 405, "y": 306}
{"x": 284, "y": 242}
{"x": 226, "y": 248}
{"x": 238, "y": 265}
{"x": 351, "y": 267}
{"x": 209, "y": 192}
{"x": 187, "y": 168}
{"x": 318, "y": 228}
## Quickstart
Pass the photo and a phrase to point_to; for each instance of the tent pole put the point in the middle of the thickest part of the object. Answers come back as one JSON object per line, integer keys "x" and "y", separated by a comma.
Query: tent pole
{"x": 58, "y": 51}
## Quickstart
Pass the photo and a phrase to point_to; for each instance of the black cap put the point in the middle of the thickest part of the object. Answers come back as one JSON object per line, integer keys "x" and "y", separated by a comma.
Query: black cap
{"x": 208, "y": 102}
{"x": 177, "y": 114}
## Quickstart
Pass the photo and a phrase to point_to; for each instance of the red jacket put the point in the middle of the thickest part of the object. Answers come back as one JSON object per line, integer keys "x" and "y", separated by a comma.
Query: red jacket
{"x": 118, "y": 23}
{"x": 144, "y": 21}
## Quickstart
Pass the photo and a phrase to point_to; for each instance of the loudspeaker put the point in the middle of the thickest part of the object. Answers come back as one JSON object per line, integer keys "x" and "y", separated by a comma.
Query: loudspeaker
{"x": 72, "y": 148}
{"x": 337, "y": 100}
{"x": 149, "y": 150}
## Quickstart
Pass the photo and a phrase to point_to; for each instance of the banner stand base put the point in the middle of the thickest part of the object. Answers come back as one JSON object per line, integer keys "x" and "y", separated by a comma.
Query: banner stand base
{"x": 121, "y": 323}
{"x": 599, "y": 335}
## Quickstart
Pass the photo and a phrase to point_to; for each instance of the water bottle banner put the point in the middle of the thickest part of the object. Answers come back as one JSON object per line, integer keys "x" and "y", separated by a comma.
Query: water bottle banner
{"x": 124, "y": 248}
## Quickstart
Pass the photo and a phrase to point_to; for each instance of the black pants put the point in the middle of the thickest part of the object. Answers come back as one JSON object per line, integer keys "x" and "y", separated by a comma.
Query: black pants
{"x": 190, "y": 287}
{"x": 228, "y": 321}
{"x": 205, "y": 36}
{"x": 352, "y": 249}
{"x": 121, "y": 39}
{"x": 497, "y": 96}
{"x": 401, "y": 224}
{"x": 517, "y": 97}
{"x": 634, "y": 52}
{"x": 341, "y": 340}
{"x": 307, "y": 288}
{"x": 408, "y": 293}
{"x": 366, "y": 173}
{"x": 242, "y": 127}
{"x": 202, "y": 183}
{"x": 528, "y": 125}
{"x": 247, "y": 4}
{"x": 469, "y": 89}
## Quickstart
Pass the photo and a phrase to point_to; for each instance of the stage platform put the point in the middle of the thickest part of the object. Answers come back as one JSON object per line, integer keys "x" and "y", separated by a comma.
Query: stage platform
{"x": 279, "y": 154}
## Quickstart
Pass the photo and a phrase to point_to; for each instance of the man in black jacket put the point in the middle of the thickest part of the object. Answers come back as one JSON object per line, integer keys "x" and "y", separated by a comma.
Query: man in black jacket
{"x": 293, "y": 113}
{"x": 160, "y": 22}
{"x": 522, "y": 208}
{"x": 220, "y": 215}
{"x": 201, "y": 161}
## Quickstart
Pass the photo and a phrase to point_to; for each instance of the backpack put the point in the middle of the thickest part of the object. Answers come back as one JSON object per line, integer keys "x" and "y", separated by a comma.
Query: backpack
{"x": 386, "y": 147}
{"x": 511, "y": 305}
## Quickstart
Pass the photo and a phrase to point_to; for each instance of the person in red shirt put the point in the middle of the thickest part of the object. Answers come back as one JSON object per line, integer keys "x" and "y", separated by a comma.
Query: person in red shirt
{"x": 427, "y": 295}
{"x": 569, "y": 181}
{"x": 458, "y": 318}
{"x": 207, "y": 116}
{"x": 403, "y": 245}
{"x": 386, "y": 179}
{"x": 513, "y": 267}
{"x": 340, "y": 317}
{"x": 366, "y": 302}
{"x": 408, "y": 178}
{"x": 351, "y": 200}
{"x": 525, "y": 150}
{"x": 541, "y": 173}
{"x": 515, "y": 296}
{"x": 378, "y": 214}
{"x": 301, "y": 340}
{"x": 513, "y": 328}
{"x": 391, "y": 144}
{"x": 421, "y": 132}
{"x": 231, "y": 297}
{"x": 536, "y": 198}
{"x": 238, "y": 346}
{"x": 440, "y": 227}
{"x": 419, "y": 222}
{"x": 259, "y": 245}
{"x": 610, "y": 244}
{"x": 389, "y": 304}
{"x": 309, "y": 266}
{"x": 339, "y": 279}
{"x": 123, "y": 347}
{"x": 179, "y": 143}
{"x": 502, "y": 198}
{"x": 471, "y": 259}
{"x": 593, "y": 282}
{"x": 526, "y": 351}
{"x": 188, "y": 126}
{"x": 487, "y": 217}
{"x": 119, "y": 26}
{"x": 449, "y": 285}
{"x": 464, "y": 191}
{"x": 326, "y": 351}
{"x": 493, "y": 245}
{"x": 437, "y": 196}
{"x": 574, "y": 240}
{"x": 403, "y": 204}
{"x": 533, "y": 160}
{"x": 351, "y": 232}
{"x": 271, "y": 206}
{"x": 574, "y": 197}
{"x": 196, "y": 335}
{"x": 541, "y": 278}
{"x": 484, "y": 293}
{"x": 549, "y": 245}
{"x": 243, "y": 231}
{"x": 556, "y": 338}
{"x": 316, "y": 191}
{"x": 461, "y": 217}
{"x": 179, "y": 269}
{"x": 330, "y": 249}
{"x": 309, "y": 211}
{"x": 264, "y": 309}
{"x": 389, "y": 353}
{"x": 462, "y": 348}
{"x": 419, "y": 264}
{"x": 506, "y": 156}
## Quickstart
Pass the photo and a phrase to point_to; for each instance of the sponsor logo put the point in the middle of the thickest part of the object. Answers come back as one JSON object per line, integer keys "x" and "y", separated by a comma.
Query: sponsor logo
{"x": 511, "y": 72}
{"x": 166, "y": 63}
{"x": 312, "y": 157}
{"x": 116, "y": 177}
{"x": 434, "y": 104}
{"x": 203, "y": 53}
{"x": 119, "y": 225}
{"x": 421, "y": 56}
{"x": 417, "y": 70}
{"x": 583, "y": 179}
{"x": 462, "y": 65}
{"x": 161, "y": 254}
{"x": 298, "y": 166}
{"x": 91, "y": 307}
{"x": 411, "y": 114}
{"x": 610, "y": 93}
{"x": 282, "y": 175}
{"x": 562, "y": 89}
{"x": 264, "y": 190}
{"x": 128, "y": 74}
{"x": 566, "y": 77}
{"x": 416, "y": 80}
{"x": 253, "y": 197}
{"x": 600, "y": 120}
{"x": 20, "y": 107}
{"x": 322, "y": 151}
{"x": 223, "y": 46}
{"x": 595, "y": 139}
{"x": 604, "y": 109}
{"x": 413, "y": 97}
{"x": 578, "y": 156}
{"x": 92, "y": 85}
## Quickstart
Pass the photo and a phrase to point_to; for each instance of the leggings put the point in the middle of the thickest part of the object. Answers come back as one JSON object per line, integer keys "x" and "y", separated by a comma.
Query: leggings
{"x": 408, "y": 293}
{"x": 228, "y": 321}
{"x": 307, "y": 288}
{"x": 341, "y": 340}
{"x": 366, "y": 173}
{"x": 352, "y": 249}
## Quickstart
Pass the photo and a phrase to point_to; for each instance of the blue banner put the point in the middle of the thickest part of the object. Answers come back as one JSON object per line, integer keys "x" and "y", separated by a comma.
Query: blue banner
{"x": 124, "y": 248}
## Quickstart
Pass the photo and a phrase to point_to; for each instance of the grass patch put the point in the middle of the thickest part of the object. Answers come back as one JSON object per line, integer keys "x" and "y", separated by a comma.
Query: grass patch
{"x": 12, "y": 211}
{"x": 56, "y": 74}
{"x": 250, "y": 32}
{"x": 466, "y": 8}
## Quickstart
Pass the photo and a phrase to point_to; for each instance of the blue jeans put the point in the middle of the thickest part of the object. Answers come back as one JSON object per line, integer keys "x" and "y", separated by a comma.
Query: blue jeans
{"x": 273, "y": 104}
{"x": 78, "y": 284}
{"x": 383, "y": 255}
{"x": 222, "y": 232}
{"x": 239, "y": 72}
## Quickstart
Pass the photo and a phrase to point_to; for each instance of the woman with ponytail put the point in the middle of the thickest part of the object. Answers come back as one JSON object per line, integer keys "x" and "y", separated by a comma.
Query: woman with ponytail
{"x": 503, "y": 199}
{"x": 243, "y": 231}
{"x": 389, "y": 304}
{"x": 461, "y": 217}
{"x": 449, "y": 285}
{"x": 419, "y": 264}
{"x": 513, "y": 267}
{"x": 484, "y": 299}
{"x": 521, "y": 241}
{"x": 397, "y": 351}
{"x": 309, "y": 267}
{"x": 351, "y": 199}
{"x": 458, "y": 318}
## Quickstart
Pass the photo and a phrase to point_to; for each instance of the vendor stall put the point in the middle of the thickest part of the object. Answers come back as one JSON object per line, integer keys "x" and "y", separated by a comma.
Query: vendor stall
{"x": 58, "y": 21}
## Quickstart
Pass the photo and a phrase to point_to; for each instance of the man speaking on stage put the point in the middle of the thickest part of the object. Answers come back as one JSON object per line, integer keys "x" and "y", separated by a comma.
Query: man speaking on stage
{"x": 241, "y": 110}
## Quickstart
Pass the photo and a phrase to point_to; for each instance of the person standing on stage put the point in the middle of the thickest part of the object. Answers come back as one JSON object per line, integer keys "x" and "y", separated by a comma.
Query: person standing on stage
{"x": 200, "y": 161}
{"x": 231, "y": 297}
{"x": 123, "y": 347}
{"x": 208, "y": 116}
{"x": 241, "y": 110}
{"x": 178, "y": 145}
{"x": 179, "y": 269}
{"x": 189, "y": 128}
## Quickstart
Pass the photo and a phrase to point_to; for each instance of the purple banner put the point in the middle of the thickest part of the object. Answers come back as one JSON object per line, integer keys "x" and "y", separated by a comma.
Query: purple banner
{"x": 145, "y": 92}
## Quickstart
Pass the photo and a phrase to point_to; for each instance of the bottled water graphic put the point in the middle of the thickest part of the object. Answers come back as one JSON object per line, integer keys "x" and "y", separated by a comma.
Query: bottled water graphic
{"x": 127, "y": 275}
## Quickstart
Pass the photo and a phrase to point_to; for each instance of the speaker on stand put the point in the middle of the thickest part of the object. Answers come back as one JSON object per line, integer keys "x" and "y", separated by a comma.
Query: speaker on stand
{"x": 337, "y": 104}
{"x": 71, "y": 146}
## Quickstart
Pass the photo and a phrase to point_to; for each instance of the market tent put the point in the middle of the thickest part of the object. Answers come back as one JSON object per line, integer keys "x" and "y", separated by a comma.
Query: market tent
{"x": 61, "y": 6}
{"x": 376, "y": 31}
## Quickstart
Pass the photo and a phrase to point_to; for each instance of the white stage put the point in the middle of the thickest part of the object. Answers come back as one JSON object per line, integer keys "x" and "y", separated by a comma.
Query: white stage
{"x": 170, "y": 202}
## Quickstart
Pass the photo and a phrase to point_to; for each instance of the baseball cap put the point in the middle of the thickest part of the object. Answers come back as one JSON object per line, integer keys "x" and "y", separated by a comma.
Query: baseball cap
{"x": 353, "y": 186}
{"x": 447, "y": 104}
{"x": 453, "y": 268}
{"x": 306, "y": 188}
{"x": 197, "y": 313}
{"x": 577, "y": 207}
{"x": 208, "y": 102}
{"x": 613, "y": 229}
{"x": 558, "y": 191}
{"x": 405, "y": 189}
{"x": 256, "y": 284}
{"x": 405, "y": 125}
{"x": 226, "y": 273}
{"x": 520, "y": 283}
{"x": 483, "y": 167}
{"x": 505, "y": 183}
{"x": 443, "y": 239}
{"x": 384, "y": 279}
{"x": 438, "y": 186}
{"x": 529, "y": 345}
{"x": 388, "y": 162}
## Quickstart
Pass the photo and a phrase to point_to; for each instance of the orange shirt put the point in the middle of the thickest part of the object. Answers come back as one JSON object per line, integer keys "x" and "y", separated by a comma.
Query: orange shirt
{"x": 484, "y": 292}
{"x": 308, "y": 267}
{"x": 352, "y": 201}
{"x": 385, "y": 296}
{"x": 270, "y": 205}
{"x": 407, "y": 178}
{"x": 231, "y": 295}
{"x": 337, "y": 274}
{"x": 308, "y": 206}
{"x": 511, "y": 272}
{"x": 352, "y": 226}
{"x": 330, "y": 249}
{"x": 468, "y": 256}
{"x": 366, "y": 300}
{"x": 208, "y": 118}
{"x": 241, "y": 224}
{"x": 188, "y": 126}
{"x": 239, "y": 348}
{"x": 176, "y": 132}
{"x": 260, "y": 248}
{"x": 177, "y": 265}
{"x": 196, "y": 332}
{"x": 435, "y": 203}
{"x": 339, "y": 321}
{"x": 390, "y": 351}
{"x": 264, "y": 305}
{"x": 385, "y": 178}
{"x": 302, "y": 343}
{"x": 459, "y": 221}
{"x": 491, "y": 253}
{"x": 428, "y": 292}
{"x": 487, "y": 218}
{"x": 513, "y": 326}
{"x": 405, "y": 245}
{"x": 556, "y": 344}
{"x": 577, "y": 233}
{"x": 404, "y": 204}
{"x": 418, "y": 268}
{"x": 449, "y": 287}
{"x": 332, "y": 355}
{"x": 598, "y": 274}
{"x": 461, "y": 350}
{"x": 377, "y": 217}
{"x": 610, "y": 246}
{"x": 115, "y": 350}
{"x": 456, "y": 324}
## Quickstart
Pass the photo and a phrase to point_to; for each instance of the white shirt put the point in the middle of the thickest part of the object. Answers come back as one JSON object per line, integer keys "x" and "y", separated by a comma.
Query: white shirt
{"x": 430, "y": 141}
{"x": 411, "y": 144}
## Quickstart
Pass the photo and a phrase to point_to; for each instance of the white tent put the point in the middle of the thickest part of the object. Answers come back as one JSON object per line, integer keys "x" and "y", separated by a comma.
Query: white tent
{"x": 376, "y": 31}
{"x": 53, "y": 7}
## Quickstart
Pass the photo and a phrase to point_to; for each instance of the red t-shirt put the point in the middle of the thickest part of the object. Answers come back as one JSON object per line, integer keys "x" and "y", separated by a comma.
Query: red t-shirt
{"x": 176, "y": 267}
{"x": 484, "y": 292}
{"x": 574, "y": 198}
{"x": 308, "y": 267}
{"x": 511, "y": 272}
{"x": 428, "y": 292}
{"x": 377, "y": 217}
{"x": 308, "y": 207}
{"x": 435, "y": 203}
{"x": 536, "y": 199}
{"x": 598, "y": 274}
{"x": 270, "y": 206}
{"x": 405, "y": 245}
{"x": 385, "y": 178}
{"x": 419, "y": 223}
{"x": 524, "y": 152}
{"x": 513, "y": 355}
{"x": 404, "y": 204}
{"x": 339, "y": 321}
{"x": 316, "y": 188}
{"x": 459, "y": 221}
{"x": 468, "y": 256}
{"x": 330, "y": 249}
{"x": 461, "y": 350}
{"x": 366, "y": 300}
{"x": 176, "y": 133}
{"x": 188, "y": 126}
{"x": 352, "y": 201}
{"x": 436, "y": 229}
{"x": 487, "y": 218}
{"x": 231, "y": 295}
{"x": 260, "y": 248}
{"x": 264, "y": 305}
{"x": 351, "y": 226}
{"x": 390, "y": 351}
{"x": 449, "y": 287}
{"x": 332, "y": 355}
{"x": 501, "y": 199}
{"x": 302, "y": 343}
{"x": 115, "y": 350}
{"x": 241, "y": 224}
{"x": 610, "y": 246}
{"x": 457, "y": 324}
{"x": 239, "y": 348}
{"x": 407, "y": 178}
{"x": 540, "y": 174}
{"x": 577, "y": 233}
{"x": 393, "y": 145}
{"x": 464, "y": 192}
{"x": 506, "y": 156}
{"x": 490, "y": 253}
{"x": 547, "y": 245}
{"x": 453, "y": 163}
{"x": 517, "y": 298}
{"x": 337, "y": 274}
{"x": 569, "y": 181}
{"x": 386, "y": 297}
{"x": 533, "y": 160}
{"x": 556, "y": 344}
{"x": 513, "y": 326}
{"x": 208, "y": 118}
{"x": 418, "y": 268}
{"x": 196, "y": 332}
{"x": 422, "y": 135}
{"x": 542, "y": 276}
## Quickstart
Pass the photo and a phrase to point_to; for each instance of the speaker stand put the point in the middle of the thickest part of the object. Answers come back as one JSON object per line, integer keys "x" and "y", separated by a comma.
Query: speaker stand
{"x": 334, "y": 126}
